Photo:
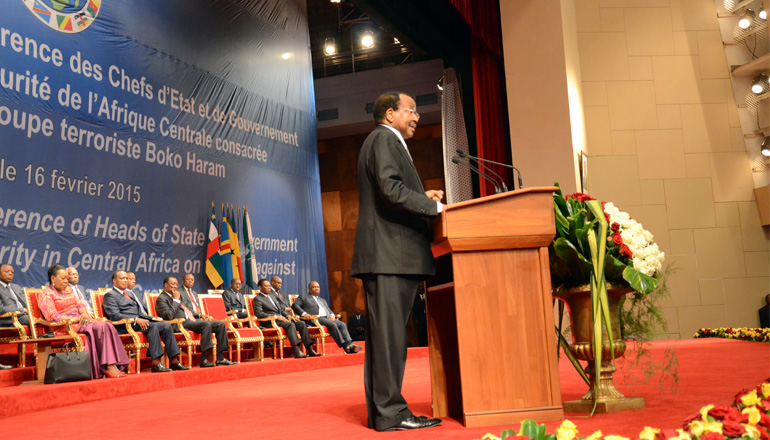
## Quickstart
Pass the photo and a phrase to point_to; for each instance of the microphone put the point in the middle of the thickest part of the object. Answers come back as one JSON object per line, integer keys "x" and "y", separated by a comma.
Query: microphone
{"x": 489, "y": 170}
{"x": 462, "y": 153}
{"x": 457, "y": 160}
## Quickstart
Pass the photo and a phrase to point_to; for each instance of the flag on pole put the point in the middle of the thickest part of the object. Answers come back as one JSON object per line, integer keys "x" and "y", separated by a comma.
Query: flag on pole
{"x": 235, "y": 246}
{"x": 251, "y": 263}
{"x": 213, "y": 257}
{"x": 224, "y": 249}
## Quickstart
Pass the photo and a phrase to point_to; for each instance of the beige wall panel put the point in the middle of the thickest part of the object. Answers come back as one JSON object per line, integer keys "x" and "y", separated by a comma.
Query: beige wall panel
{"x": 713, "y": 63}
{"x": 690, "y": 203}
{"x": 757, "y": 264}
{"x": 753, "y": 234}
{"x": 672, "y": 318}
{"x": 719, "y": 253}
{"x": 693, "y": 318}
{"x": 652, "y": 192}
{"x": 744, "y": 298}
{"x": 615, "y": 179}
{"x": 658, "y": 3}
{"x": 669, "y": 116}
{"x": 587, "y": 16}
{"x": 661, "y": 154}
{"x": 706, "y": 128}
{"x": 677, "y": 79}
{"x": 737, "y": 141}
{"x": 594, "y": 93}
{"x": 727, "y": 214}
{"x": 698, "y": 164}
{"x": 612, "y": 20}
{"x": 649, "y": 31}
{"x": 654, "y": 219}
{"x": 603, "y": 56}
{"x": 598, "y": 140}
{"x": 682, "y": 242}
{"x": 683, "y": 283}
{"x": 712, "y": 292}
{"x": 623, "y": 142}
{"x": 685, "y": 43}
{"x": 632, "y": 105}
{"x": 622, "y": 3}
{"x": 693, "y": 15}
{"x": 716, "y": 91}
{"x": 731, "y": 177}
{"x": 640, "y": 68}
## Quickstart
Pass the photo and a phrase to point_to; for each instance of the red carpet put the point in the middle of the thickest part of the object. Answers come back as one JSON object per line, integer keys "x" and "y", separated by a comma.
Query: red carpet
{"x": 327, "y": 401}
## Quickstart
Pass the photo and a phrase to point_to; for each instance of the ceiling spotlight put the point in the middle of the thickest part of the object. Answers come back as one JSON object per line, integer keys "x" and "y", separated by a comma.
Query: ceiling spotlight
{"x": 762, "y": 13}
{"x": 330, "y": 47}
{"x": 395, "y": 40}
{"x": 367, "y": 40}
{"x": 285, "y": 56}
{"x": 766, "y": 146}
{"x": 760, "y": 84}
{"x": 336, "y": 1}
{"x": 746, "y": 19}
{"x": 440, "y": 83}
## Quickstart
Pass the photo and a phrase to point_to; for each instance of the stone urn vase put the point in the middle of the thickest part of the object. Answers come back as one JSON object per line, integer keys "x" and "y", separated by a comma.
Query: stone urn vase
{"x": 578, "y": 300}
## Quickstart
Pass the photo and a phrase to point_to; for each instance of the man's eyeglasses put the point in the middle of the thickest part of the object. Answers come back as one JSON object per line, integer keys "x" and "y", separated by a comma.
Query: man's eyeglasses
{"x": 414, "y": 112}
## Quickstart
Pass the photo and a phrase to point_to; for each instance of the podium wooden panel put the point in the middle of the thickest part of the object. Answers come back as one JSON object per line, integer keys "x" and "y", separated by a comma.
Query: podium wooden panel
{"x": 490, "y": 330}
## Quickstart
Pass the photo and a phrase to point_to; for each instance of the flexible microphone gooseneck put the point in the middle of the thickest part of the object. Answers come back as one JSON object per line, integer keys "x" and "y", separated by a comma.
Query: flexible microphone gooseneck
{"x": 457, "y": 160}
{"x": 462, "y": 153}
{"x": 489, "y": 170}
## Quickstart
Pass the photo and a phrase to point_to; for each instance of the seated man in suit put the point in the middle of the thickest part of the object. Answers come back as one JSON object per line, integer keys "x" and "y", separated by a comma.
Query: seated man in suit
{"x": 234, "y": 300}
{"x": 311, "y": 304}
{"x": 72, "y": 278}
{"x": 266, "y": 305}
{"x": 357, "y": 325}
{"x": 284, "y": 303}
{"x": 11, "y": 300}
{"x": 173, "y": 304}
{"x": 121, "y": 303}
{"x": 764, "y": 313}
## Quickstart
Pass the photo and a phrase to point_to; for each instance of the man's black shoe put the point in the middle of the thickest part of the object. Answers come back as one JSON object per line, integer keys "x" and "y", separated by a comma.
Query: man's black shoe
{"x": 205, "y": 363}
{"x": 353, "y": 348}
{"x": 179, "y": 367}
{"x": 160, "y": 368}
{"x": 312, "y": 353}
{"x": 5, "y": 367}
{"x": 226, "y": 362}
{"x": 298, "y": 354}
{"x": 415, "y": 422}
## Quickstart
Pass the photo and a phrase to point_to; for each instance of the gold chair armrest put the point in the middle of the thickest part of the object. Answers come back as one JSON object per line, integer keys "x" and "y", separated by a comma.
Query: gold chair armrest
{"x": 10, "y": 314}
{"x": 272, "y": 320}
{"x": 14, "y": 315}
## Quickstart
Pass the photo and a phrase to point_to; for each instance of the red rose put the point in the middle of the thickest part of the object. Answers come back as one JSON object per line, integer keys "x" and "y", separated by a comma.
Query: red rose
{"x": 615, "y": 226}
{"x": 688, "y": 420}
{"x": 731, "y": 428}
{"x": 765, "y": 404}
{"x": 580, "y": 197}
{"x": 721, "y": 412}
{"x": 712, "y": 436}
{"x": 617, "y": 239}
{"x": 624, "y": 250}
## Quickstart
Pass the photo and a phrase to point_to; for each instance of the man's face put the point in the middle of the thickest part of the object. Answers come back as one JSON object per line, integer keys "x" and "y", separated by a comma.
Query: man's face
{"x": 314, "y": 288}
{"x": 6, "y": 273}
{"x": 264, "y": 287}
{"x": 358, "y": 311}
{"x": 236, "y": 285}
{"x": 188, "y": 281}
{"x": 120, "y": 281}
{"x": 171, "y": 285}
{"x": 131, "y": 280}
{"x": 405, "y": 118}
{"x": 73, "y": 276}
{"x": 276, "y": 283}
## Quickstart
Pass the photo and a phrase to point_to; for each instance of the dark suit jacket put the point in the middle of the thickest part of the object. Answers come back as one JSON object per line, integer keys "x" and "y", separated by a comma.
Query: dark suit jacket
{"x": 233, "y": 300}
{"x": 7, "y": 303}
{"x": 393, "y": 234}
{"x": 117, "y": 307}
{"x": 263, "y": 308}
{"x": 169, "y": 309}
{"x": 354, "y": 323}
{"x": 86, "y": 294}
{"x": 283, "y": 299}
{"x": 306, "y": 304}
{"x": 764, "y": 316}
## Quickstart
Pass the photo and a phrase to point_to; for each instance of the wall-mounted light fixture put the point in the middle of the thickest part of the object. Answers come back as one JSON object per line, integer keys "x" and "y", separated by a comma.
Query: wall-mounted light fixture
{"x": 760, "y": 84}
{"x": 762, "y": 14}
{"x": 766, "y": 147}
{"x": 367, "y": 40}
{"x": 330, "y": 46}
{"x": 746, "y": 19}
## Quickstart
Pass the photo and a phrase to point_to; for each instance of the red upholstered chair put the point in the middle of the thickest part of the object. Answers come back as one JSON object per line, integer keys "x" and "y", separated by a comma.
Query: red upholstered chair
{"x": 186, "y": 339}
{"x": 314, "y": 328}
{"x": 134, "y": 342}
{"x": 275, "y": 334}
{"x": 15, "y": 332}
{"x": 214, "y": 306}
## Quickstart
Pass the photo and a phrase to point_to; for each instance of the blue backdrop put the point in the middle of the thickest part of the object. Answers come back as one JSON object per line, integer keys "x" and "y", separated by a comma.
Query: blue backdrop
{"x": 121, "y": 122}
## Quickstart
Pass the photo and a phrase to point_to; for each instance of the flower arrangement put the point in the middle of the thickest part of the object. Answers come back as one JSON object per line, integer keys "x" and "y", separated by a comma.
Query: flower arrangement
{"x": 747, "y": 419}
{"x": 743, "y": 334}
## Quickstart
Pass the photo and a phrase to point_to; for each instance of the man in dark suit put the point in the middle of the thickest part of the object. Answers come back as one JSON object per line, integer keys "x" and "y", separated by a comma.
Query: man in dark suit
{"x": 391, "y": 255}
{"x": 121, "y": 303}
{"x": 764, "y": 313}
{"x": 234, "y": 300}
{"x": 11, "y": 300}
{"x": 311, "y": 304}
{"x": 266, "y": 305}
{"x": 73, "y": 277}
{"x": 357, "y": 325}
{"x": 283, "y": 298}
{"x": 173, "y": 304}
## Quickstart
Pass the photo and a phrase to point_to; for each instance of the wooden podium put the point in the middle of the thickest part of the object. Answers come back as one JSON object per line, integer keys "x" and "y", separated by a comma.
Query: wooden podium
{"x": 491, "y": 332}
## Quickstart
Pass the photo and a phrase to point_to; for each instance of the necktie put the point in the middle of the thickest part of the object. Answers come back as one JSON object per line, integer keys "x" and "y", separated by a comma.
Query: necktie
{"x": 273, "y": 303}
{"x": 188, "y": 314}
{"x": 15, "y": 298}
{"x": 192, "y": 300}
{"x": 133, "y": 298}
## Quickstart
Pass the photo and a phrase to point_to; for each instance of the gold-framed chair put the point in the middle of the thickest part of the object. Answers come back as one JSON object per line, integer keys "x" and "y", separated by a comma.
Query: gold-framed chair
{"x": 15, "y": 332}
{"x": 315, "y": 329}
{"x": 133, "y": 342}
{"x": 186, "y": 339}
{"x": 274, "y": 333}
{"x": 214, "y": 306}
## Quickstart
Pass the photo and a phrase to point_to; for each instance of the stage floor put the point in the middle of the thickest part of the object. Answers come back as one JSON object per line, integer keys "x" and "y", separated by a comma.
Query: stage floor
{"x": 326, "y": 400}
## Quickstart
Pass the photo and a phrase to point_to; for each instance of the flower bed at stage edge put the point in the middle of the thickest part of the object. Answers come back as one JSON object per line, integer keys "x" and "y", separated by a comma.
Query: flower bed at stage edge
{"x": 748, "y": 418}
{"x": 743, "y": 334}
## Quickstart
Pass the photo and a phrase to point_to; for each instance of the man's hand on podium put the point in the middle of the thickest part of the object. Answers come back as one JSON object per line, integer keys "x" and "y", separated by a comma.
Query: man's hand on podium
{"x": 435, "y": 194}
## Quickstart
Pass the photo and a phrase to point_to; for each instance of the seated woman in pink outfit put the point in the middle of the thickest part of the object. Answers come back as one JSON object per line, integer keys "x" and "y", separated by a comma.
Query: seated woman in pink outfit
{"x": 57, "y": 302}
